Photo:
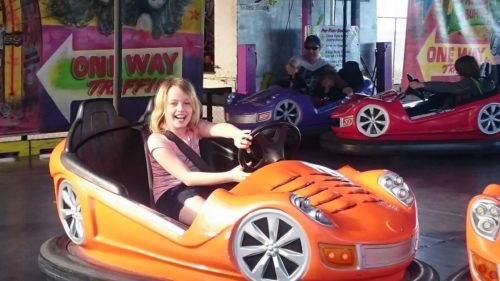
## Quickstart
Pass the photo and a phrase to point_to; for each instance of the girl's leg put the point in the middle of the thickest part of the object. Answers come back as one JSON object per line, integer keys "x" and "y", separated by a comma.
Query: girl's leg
{"x": 192, "y": 206}
{"x": 183, "y": 203}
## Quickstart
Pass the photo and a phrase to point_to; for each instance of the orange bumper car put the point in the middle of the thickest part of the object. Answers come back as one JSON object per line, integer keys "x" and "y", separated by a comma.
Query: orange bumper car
{"x": 483, "y": 247}
{"x": 289, "y": 220}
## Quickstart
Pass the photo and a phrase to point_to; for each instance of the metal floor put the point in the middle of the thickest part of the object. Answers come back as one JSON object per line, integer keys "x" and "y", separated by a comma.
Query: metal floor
{"x": 443, "y": 186}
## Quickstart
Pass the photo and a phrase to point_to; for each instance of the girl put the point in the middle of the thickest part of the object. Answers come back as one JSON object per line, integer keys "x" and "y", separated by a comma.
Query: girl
{"x": 450, "y": 94}
{"x": 179, "y": 188}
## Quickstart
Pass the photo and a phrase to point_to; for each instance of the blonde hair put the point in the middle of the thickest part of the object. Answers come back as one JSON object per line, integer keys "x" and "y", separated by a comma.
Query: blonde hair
{"x": 160, "y": 100}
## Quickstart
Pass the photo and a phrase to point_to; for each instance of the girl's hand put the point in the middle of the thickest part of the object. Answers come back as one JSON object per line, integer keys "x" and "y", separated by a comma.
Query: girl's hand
{"x": 416, "y": 85}
{"x": 237, "y": 174}
{"x": 347, "y": 91}
{"x": 243, "y": 139}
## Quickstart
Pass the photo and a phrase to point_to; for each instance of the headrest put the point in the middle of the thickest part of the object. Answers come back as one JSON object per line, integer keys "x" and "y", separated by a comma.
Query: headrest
{"x": 484, "y": 69}
{"x": 144, "y": 119}
{"x": 94, "y": 116}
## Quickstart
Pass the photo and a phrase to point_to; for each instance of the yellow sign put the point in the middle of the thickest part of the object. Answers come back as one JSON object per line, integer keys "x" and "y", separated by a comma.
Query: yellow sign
{"x": 438, "y": 59}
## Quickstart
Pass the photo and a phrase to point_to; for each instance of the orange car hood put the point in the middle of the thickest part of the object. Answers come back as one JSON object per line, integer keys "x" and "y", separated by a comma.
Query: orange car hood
{"x": 357, "y": 212}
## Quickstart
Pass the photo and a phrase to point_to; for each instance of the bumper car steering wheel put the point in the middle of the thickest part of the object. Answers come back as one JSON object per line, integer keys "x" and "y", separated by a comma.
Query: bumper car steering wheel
{"x": 271, "y": 143}
{"x": 415, "y": 92}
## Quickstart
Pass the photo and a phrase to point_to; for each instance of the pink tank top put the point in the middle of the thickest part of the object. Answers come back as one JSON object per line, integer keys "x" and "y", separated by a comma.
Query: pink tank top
{"x": 162, "y": 180}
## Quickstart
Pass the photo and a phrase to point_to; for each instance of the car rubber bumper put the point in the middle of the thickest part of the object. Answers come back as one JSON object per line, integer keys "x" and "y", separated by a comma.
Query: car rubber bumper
{"x": 57, "y": 263}
{"x": 331, "y": 143}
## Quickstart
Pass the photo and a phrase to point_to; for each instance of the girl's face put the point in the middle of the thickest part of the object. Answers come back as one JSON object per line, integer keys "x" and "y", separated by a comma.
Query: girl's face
{"x": 156, "y": 4}
{"x": 328, "y": 82}
{"x": 179, "y": 109}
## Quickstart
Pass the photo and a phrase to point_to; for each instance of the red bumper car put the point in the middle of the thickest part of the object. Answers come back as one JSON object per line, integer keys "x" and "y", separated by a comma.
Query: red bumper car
{"x": 385, "y": 123}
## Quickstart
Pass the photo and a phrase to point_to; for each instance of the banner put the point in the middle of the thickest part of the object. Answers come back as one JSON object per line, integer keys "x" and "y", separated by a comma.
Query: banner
{"x": 331, "y": 43}
{"x": 54, "y": 54}
{"x": 439, "y": 32}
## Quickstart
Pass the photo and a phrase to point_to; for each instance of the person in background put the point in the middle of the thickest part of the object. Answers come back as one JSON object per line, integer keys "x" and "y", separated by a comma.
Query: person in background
{"x": 297, "y": 81}
{"x": 179, "y": 188}
{"x": 450, "y": 94}
{"x": 352, "y": 77}
{"x": 307, "y": 66}
{"x": 328, "y": 88}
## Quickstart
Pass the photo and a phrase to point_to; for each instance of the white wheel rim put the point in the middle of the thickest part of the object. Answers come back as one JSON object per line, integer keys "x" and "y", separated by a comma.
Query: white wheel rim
{"x": 372, "y": 121}
{"x": 488, "y": 119}
{"x": 70, "y": 213}
{"x": 288, "y": 111}
{"x": 270, "y": 245}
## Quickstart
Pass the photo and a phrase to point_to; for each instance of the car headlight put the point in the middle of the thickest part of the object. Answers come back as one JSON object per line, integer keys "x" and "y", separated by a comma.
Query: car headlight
{"x": 230, "y": 98}
{"x": 485, "y": 215}
{"x": 395, "y": 185}
{"x": 314, "y": 213}
{"x": 272, "y": 98}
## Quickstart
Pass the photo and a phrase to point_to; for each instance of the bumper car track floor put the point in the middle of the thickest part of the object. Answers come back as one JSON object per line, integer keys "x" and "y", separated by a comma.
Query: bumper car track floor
{"x": 443, "y": 185}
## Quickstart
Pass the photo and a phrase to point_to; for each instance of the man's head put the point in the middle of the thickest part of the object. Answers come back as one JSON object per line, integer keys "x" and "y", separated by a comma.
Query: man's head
{"x": 312, "y": 45}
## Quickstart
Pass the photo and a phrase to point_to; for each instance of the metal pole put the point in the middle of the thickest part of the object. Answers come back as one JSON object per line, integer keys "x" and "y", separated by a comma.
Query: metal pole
{"x": 355, "y": 13}
{"x": 117, "y": 75}
{"x": 306, "y": 19}
{"x": 333, "y": 5}
{"x": 324, "y": 12}
{"x": 344, "y": 30}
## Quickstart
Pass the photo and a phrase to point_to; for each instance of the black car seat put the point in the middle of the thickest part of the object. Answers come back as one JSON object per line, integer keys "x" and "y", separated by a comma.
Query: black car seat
{"x": 489, "y": 77}
{"x": 106, "y": 149}
{"x": 144, "y": 128}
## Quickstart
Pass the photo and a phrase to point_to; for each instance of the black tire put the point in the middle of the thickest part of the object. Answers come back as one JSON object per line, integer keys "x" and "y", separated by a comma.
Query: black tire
{"x": 420, "y": 271}
{"x": 462, "y": 274}
{"x": 59, "y": 264}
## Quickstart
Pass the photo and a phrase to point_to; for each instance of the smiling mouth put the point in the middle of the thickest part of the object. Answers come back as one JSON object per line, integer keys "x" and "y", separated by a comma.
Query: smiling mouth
{"x": 180, "y": 117}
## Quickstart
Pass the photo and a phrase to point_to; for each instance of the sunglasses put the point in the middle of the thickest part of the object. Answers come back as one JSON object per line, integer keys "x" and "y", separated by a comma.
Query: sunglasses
{"x": 312, "y": 48}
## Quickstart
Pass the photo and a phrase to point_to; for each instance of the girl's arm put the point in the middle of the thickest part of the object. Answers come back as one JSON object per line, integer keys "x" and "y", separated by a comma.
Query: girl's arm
{"x": 223, "y": 130}
{"x": 242, "y": 138}
{"x": 342, "y": 85}
{"x": 454, "y": 88}
{"x": 174, "y": 166}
